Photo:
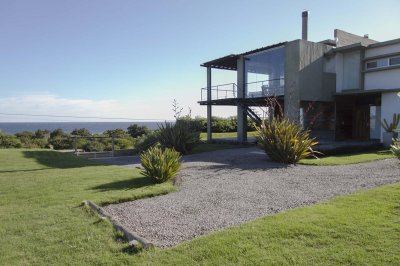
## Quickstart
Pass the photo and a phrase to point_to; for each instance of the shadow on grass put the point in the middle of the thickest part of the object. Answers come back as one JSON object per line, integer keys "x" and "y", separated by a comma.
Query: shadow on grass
{"x": 53, "y": 159}
{"x": 25, "y": 170}
{"x": 128, "y": 184}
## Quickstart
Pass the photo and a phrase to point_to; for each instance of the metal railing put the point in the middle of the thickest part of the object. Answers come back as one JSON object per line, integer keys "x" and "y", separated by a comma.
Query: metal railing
{"x": 218, "y": 92}
{"x": 264, "y": 88}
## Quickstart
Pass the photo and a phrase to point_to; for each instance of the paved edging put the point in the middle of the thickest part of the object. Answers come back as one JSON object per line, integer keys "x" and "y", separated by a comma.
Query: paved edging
{"x": 132, "y": 237}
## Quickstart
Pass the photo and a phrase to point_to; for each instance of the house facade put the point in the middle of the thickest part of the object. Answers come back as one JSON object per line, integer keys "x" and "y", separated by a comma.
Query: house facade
{"x": 340, "y": 88}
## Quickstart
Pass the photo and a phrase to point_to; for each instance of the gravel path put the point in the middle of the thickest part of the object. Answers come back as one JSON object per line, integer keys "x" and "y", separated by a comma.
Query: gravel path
{"x": 229, "y": 187}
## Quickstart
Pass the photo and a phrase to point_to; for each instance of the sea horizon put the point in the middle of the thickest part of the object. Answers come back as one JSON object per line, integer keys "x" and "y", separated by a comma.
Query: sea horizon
{"x": 93, "y": 127}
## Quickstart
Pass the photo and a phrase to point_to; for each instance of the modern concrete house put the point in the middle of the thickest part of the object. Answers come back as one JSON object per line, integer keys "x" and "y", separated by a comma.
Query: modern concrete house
{"x": 340, "y": 88}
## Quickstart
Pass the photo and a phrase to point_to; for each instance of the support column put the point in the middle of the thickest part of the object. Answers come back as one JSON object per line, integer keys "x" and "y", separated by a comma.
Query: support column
{"x": 209, "y": 106}
{"x": 241, "y": 94}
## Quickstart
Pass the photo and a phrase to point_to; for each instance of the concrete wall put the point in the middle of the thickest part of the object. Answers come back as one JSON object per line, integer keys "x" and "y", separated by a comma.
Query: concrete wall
{"x": 312, "y": 73}
{"x": 339, "y": 72}
{"x": 346, "y": 38}
{"x": 384, "y": 79}
{"x": 305, "y": 79}
{"x": 292, "y": 82}
{"x": 382, "y": 50}
{"x": 390, "y": 105}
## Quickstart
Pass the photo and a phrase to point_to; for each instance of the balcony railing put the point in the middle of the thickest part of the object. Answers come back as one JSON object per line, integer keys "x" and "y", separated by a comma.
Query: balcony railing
{"x": 218, "y": 92}
{"x": 264, "y": 88}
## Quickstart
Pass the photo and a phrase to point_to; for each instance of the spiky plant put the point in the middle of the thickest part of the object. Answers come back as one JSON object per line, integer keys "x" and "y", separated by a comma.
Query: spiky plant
{"x": 160, "y": 164}
{"x": 395, "y": 148}
{"x": 179, "y": 136}
{"x": 285, "y": 141}
{"x": 393, "y": 125}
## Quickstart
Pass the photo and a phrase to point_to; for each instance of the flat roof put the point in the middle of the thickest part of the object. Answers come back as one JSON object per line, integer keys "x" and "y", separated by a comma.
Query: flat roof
{"x": 358, "y": 46}
{"x": 229, "y": 62}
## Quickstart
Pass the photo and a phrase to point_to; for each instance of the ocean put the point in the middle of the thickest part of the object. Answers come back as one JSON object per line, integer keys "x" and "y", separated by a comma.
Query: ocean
{"x": 93, "y": 127}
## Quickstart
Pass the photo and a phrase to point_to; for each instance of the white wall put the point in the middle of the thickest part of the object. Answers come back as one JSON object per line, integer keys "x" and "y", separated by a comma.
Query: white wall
{"x": 347, "y": 71}
{"x": 394, "y": 48}
{"x": 390, "y": 105}
{"x": 383, "y": 79}
{"x": 339, "y": 72}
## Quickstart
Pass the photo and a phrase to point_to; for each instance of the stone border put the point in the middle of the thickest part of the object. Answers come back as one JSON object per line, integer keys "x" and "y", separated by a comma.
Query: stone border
{"x": 132, "y": 237}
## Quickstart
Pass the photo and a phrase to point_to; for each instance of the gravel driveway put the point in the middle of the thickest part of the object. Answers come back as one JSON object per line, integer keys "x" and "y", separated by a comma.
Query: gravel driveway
{"x": 230, "y": 187}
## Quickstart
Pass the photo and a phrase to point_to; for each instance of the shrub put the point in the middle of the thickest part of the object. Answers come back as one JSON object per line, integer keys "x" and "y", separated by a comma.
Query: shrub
{"x": 9, "y": 141}
{"x": 179, "y": 136}
{"x": 395, "y": 148}
{"x": 81, "y": 132}
{"x": 124, "y": 143}
{"x": 137, "y": 131}
{"x": 92, "y": 146}
{"x": 160, "y": 164}
{"x": 284, "y": 141}
{"x": 146, "y": 141}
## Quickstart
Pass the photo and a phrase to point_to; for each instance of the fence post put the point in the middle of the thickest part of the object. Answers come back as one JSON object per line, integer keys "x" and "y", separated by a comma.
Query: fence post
{"x": 112, "y": 143}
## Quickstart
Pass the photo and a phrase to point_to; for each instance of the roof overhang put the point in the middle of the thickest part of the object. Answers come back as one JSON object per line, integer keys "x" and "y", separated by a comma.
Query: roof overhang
{"x": 345, "y": 49}
{"x": 229, "y": 62}
{"x": 365, "y": 92}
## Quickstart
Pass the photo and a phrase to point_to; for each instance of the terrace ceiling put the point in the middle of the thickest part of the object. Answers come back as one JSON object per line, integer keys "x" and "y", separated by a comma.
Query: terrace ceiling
{"x": 229, "y": 62}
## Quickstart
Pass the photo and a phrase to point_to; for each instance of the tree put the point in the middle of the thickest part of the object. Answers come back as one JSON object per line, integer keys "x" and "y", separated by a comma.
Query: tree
{"x": 42, "y": 134}
{"x": 9, "y": 141}
{"x": 118, "y": 133}
{"x": 81, "y": 132}
{"x": 57, "y": 133}
{"x": 137, "y": 131}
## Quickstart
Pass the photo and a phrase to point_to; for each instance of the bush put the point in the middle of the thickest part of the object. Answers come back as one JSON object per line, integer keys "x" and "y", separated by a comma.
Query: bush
{"x": 9, "y": 141}
{"x": 83, "y": 132}
{"x": 124, "y": 143}
{"x": 92, "y": 146}
{"x": 160, "y": 164}
{"x": 179, "y": 136}
{"x": 137, "y": 131}
{"x": 147, "y": 141}
{"x": 284, "y": 141}
{"x": 395, "y": 148}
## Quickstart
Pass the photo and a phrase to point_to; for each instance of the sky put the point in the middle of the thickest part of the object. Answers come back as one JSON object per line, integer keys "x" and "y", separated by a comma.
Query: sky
{"x": 131, "y": 59}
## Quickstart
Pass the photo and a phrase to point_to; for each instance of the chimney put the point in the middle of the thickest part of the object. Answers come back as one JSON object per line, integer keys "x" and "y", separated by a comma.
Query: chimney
{"x": 304, "y": 28}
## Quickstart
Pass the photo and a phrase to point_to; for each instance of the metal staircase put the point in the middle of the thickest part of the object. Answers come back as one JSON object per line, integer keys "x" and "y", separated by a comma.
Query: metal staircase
{"x": 256, "y": 112}
{"x": 255, "y": 116}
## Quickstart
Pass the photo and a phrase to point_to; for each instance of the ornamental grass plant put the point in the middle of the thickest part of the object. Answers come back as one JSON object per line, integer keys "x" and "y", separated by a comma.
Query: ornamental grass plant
{"x": 160, "y": 164}
{"x": 285, "y": 141}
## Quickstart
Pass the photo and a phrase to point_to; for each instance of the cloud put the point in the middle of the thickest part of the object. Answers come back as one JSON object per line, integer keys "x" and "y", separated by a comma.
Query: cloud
{"x": 52, "y": 105}
{"x": 135, "y": 109}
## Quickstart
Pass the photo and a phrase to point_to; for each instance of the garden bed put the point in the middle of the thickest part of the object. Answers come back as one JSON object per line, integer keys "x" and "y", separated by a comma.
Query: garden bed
{"x": 229, "y": 187}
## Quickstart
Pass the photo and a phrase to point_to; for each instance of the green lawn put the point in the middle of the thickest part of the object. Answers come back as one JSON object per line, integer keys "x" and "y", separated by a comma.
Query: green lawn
{"x": 41, "y": 222}
{"x": 350, "y": 158}
{"x": 203, "y": 135}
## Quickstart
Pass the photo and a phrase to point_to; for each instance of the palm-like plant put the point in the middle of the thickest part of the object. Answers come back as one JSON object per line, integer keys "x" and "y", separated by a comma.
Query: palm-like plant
{"x": 285, "y": 141}
{"x": 393, "y": 125}
{"x": 179, "y": 136}
{"x": 160, "y": 164}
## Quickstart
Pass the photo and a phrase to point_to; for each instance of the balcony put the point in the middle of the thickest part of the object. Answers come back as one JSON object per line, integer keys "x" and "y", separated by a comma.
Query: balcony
{"x": 258, "y": 89}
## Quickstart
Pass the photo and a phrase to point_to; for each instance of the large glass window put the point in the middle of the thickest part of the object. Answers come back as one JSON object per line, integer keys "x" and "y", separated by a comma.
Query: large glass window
{"x": 265, "y": 73}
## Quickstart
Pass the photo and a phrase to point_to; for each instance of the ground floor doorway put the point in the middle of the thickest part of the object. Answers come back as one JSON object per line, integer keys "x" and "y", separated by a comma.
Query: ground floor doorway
{"x": 358, "y": 117}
